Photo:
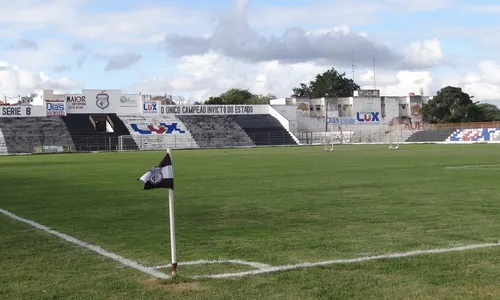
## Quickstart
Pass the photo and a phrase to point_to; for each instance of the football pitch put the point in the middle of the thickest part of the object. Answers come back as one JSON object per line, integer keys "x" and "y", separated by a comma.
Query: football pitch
{"x": 361, "y": 222}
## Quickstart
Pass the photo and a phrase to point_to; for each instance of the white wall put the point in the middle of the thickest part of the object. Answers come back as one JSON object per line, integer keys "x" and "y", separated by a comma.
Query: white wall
{"x": 286, "y": 124}
{"x": 392, "y": 107}
{"x": 367, "y": 106}
{"x": 290, "y": 113}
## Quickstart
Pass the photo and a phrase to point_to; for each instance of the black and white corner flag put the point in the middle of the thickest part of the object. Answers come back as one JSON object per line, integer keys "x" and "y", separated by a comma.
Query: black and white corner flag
{"x": 161, "y": 176}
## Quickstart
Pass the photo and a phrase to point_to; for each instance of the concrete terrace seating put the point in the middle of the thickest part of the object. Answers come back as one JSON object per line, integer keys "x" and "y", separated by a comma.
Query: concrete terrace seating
{"x": 22, "y": 134}
{"x": 264, "y": 130}
{"x": 430, "y": 136}
{"x": 168, "y": 132}
{"x": 216, "y": 131}
{"x": 397, "y": 135}
{"x": 475, "y": 135}
{"x": 87, "y": 138}
{"x": 3, "y": 145}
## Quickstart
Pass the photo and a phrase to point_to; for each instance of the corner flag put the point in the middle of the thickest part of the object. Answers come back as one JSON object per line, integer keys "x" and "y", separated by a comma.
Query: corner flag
{"x": 162, "y": 176}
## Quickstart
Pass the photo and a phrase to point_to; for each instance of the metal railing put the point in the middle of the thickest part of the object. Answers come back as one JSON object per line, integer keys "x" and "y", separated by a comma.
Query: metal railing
{"x": 106, "y": 142}
{"x": 30, "y": 143}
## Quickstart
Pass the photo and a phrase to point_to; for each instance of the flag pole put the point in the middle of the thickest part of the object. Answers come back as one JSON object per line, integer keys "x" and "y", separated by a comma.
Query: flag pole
{"x": 172, "y": 231}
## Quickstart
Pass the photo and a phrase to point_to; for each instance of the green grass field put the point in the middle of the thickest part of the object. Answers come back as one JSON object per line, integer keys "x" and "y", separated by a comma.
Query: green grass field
{"x": 275, "y": 206}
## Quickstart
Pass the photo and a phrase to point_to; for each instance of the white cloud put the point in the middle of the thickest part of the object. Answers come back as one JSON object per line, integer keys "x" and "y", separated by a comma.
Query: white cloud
{"x": 424, "y": 54}
{"x": 401, "y": 83}
{"x": 16, "y": 81}
{"x": 237, "y": 53}
{"x": 202, "y": 76}
{"x": 484, "y": 82}
{"x": 47, "y": 55}
{"x": 136, "y": 25}
{"x": 342, "y": 11}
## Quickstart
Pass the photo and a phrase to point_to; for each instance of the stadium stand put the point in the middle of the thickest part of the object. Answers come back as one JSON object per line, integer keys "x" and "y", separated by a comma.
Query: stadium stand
{"x": 90, "y": 132}
{"x": 429, "y": 136}
{"x": 264, "y": 130}
{"x": 158, "y": 132}
{"x": 475, "y": 135}
{"x": 399, "y": 135}
{"x": 216, "y": 131}
{"x": 22, "y": 134}
{"x": 3, "y": 145}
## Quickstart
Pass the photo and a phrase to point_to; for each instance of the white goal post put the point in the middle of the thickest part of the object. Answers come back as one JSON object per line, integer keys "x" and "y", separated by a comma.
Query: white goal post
{"x": 394, "y": 137}
{"x": 126, "y": 143}
{"x": 334, "y": 135}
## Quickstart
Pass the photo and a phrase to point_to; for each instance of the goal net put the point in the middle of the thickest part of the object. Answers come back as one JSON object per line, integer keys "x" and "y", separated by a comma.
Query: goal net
{"x": 394, "y": 137}
{"x": 126, "y": 143}
{"x": 334, "y": 135}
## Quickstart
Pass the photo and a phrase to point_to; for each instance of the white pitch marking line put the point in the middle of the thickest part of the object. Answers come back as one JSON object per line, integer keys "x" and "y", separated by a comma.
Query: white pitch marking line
{"x": 256, "y": 265}
{"x": 473, "y": 167}
{"x": 348, "y": 261}
{"x": 121, "y": 259}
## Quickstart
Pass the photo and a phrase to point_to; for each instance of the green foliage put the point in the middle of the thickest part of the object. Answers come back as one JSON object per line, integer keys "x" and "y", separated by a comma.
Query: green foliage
{"x": 451, "y": 105}
{"x": 272, "y": 205}
{"x": 329, "y": 84}
{"x": 239, "y": 96}
{"x": 490, "y": 112}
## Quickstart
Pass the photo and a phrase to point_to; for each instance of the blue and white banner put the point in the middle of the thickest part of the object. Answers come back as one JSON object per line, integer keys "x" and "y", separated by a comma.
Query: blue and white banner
{"x": 150, "y": 107}
{"x": 55, "y": 108}
{"x": 341, "y": 121}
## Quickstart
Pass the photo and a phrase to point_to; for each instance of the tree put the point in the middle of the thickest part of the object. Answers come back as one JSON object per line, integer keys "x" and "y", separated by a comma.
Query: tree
{"x": 239, "y": 96}
{"x": 451, "y": 105}
{"x": 490, "y": 112}
{"x": 329, "y": 84}
{"x": 261, "y": 99}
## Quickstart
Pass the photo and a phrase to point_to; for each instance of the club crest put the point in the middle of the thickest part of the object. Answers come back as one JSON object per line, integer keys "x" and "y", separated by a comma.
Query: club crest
{"x": 156, "y": 176}
{"x": 102, "y": 100}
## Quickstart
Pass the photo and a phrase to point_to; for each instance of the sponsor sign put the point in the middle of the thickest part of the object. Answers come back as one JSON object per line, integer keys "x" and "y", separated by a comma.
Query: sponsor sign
{"x": 162, "y": 128}
{"x": 76, "y": 103}
{"x": 341, "y": 121}
{"x": 150, "y": 107}
{"x": 55, "y": 108}
{"x": 96, "y": 102}
{"x": 102, "y": 100}
{"x": 11, "y": 111}
{"x": 51, "y": 149}
{"x": 367, "y": 93}
{"x": 214, "y": 109}
{"x": 129, "y": 100}
{"x": 369, "y": 117}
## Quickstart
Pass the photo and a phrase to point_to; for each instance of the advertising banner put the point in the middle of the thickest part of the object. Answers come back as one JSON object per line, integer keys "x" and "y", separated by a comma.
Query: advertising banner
{"x": 153, "y": 129}
{"x": 51, "y": 149}
{"x": 130, "y": 101}
{"x": 368, "y": 111}
{"x": 151, "y": 107}
{"x": 214, "y": 109}
{"x": 341, "y": 120}
{"x": 55, "y": 108}
{"x": 76, "y": 103}
{"x": 12, "y": 111}
{"x": 368, "y": 117}
{"x": 96, "y": 102}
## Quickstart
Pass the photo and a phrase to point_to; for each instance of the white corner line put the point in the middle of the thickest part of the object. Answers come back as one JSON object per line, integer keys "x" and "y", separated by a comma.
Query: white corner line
{"x": 256, "y": 265}
{"x": 348, "y": 261}
{"x": 97, "y": 249}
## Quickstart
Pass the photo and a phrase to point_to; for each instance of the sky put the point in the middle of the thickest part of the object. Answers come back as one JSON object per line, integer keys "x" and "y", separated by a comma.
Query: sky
{"x": 197, "y": 49}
